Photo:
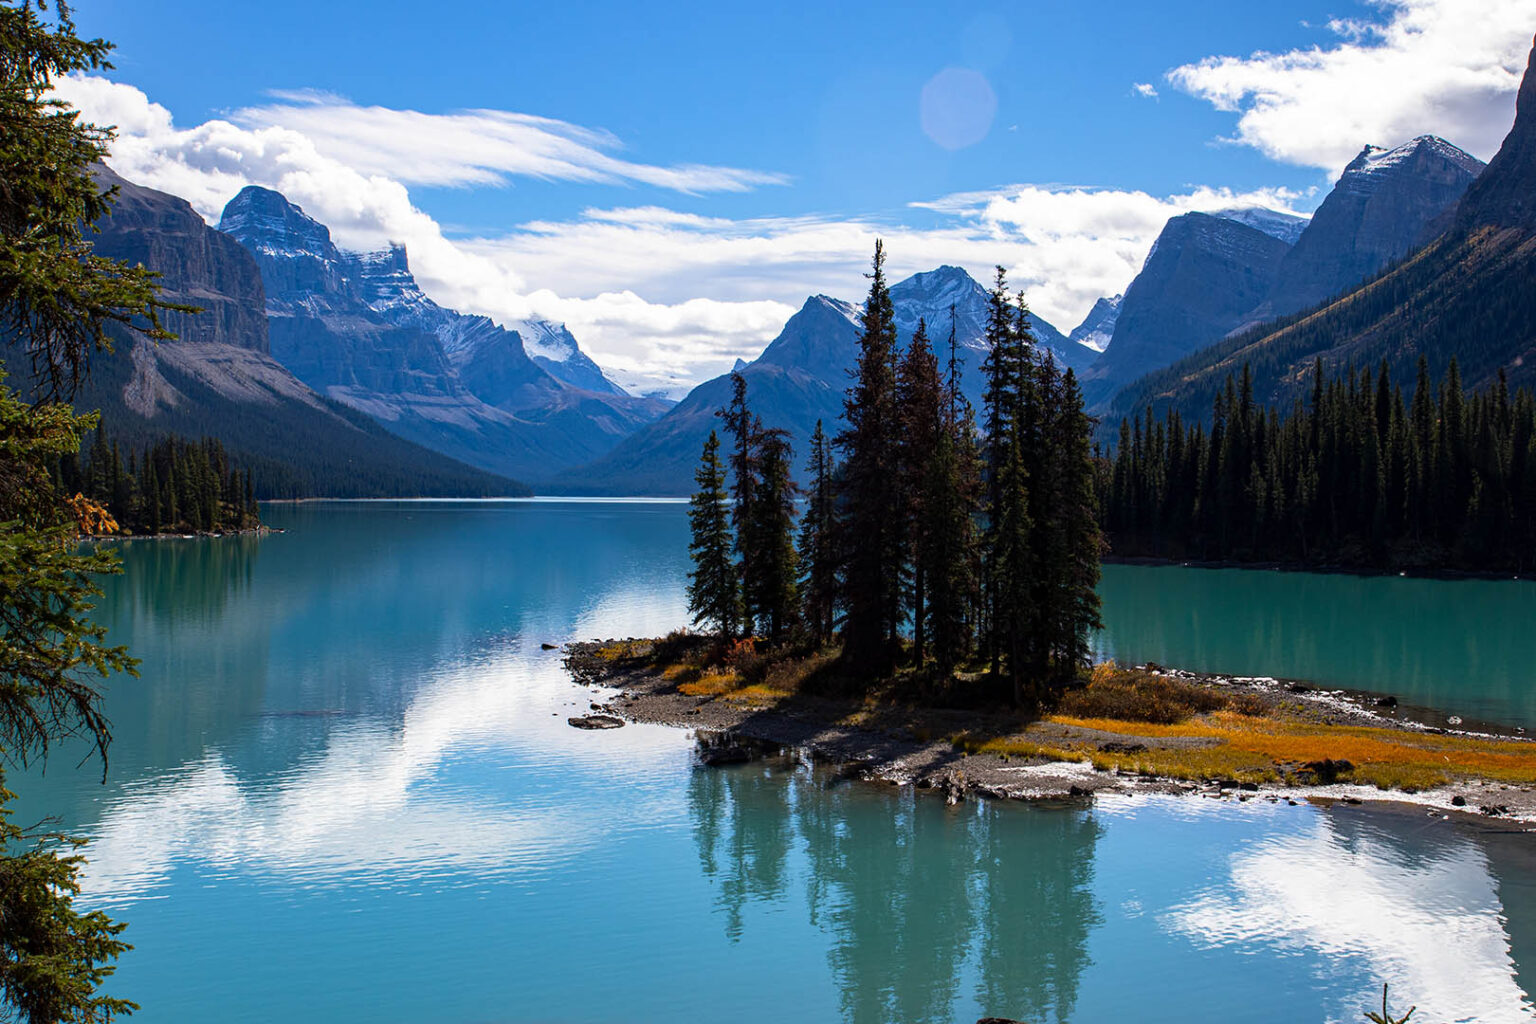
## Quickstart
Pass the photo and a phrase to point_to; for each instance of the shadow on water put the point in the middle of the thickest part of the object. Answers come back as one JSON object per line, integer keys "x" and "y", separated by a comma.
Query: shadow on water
{"x": 925, "y": 904}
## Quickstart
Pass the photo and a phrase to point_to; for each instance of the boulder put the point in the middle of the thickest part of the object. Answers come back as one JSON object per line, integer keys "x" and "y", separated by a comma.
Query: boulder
{"x": 596, "y": 722}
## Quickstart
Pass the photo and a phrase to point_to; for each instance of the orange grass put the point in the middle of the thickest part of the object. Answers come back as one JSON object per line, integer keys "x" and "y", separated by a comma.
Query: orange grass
{"x": 1386, "y": 757}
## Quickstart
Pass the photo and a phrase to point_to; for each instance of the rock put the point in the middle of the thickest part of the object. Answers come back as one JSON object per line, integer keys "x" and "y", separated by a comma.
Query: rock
{"x": 1386, "y": 702}
{"x": 1079, "y": 791}
{"x": 1494, "y": 810}
{"x": 717, "y": 756}
{"x": 595, "y": 722}
{"x": 1251, "y": 787}
{"x": 548, "y": 647}
{"x": 1454, "y": 720}
{"x": 1118, "y": 747}
{"x": 1458, "y": 801}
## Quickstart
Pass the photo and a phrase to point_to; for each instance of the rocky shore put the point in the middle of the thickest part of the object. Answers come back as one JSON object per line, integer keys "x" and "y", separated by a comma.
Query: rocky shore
{"x": 914, "y": 746}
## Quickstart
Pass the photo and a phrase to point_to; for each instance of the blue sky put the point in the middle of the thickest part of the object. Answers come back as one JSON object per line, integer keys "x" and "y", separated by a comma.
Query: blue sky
{"x": 673, "y": 184}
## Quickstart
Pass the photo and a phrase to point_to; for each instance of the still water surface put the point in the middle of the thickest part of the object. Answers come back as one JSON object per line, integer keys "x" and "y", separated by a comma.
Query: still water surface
{"x": 343, "y": 789}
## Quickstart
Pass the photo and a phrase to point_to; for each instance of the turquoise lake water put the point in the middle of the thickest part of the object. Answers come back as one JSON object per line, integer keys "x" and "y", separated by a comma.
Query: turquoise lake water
{"x": 344, "y": 789}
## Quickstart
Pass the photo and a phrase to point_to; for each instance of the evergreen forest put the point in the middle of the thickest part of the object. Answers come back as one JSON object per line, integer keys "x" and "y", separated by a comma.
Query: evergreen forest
{"x": 1359, "y": 475}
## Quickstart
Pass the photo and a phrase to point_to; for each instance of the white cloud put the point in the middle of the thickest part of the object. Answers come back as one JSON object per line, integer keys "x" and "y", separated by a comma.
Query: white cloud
{"x": 477, "y": 147}
{"x": 662, "y": 297}
{"x": 1146, "y": 89}
{"x": 1442, "y": 67}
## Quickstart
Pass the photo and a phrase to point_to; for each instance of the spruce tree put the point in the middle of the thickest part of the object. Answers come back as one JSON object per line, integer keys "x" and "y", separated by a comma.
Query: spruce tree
{"x": 714, "y": 598}
{"x": 870, "y": 535}
{"x": 739, "y": 425}
{"x": 921, "y": 400}
{"x": 771, "y": 588}
{"x": 817, "y": 555}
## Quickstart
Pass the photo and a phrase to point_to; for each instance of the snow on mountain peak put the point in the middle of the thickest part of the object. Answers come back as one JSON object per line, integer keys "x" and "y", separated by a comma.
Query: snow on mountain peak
{"x": 1376, "y": 160}
{"x": 1285, "y": 226}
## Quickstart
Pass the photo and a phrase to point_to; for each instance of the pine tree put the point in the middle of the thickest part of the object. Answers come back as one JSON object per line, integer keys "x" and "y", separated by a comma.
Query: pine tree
{"x": 921, "y": 400}
{"x": 870, "y": 537}
{"x": 714, "y": 598}
{"x": 817, "y": 557}
{"x": 955, "y": 486}
{"x": 771, "y": 588}
{"x": 739, "y": 426}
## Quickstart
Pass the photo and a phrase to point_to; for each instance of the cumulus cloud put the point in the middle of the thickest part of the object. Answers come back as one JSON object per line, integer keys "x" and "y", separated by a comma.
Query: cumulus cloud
{"x": 1146, "y": 89}
{"x": 1442, "y": 67}
{"x": 662, "y": 297}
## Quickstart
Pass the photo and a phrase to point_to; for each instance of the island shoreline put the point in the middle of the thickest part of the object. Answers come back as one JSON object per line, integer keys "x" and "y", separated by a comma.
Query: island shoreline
{"x": 882, "y": 747}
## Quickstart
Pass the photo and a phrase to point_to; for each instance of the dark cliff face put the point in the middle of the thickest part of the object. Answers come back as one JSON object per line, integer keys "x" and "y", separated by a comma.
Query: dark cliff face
{"x": 1504, "y": 196}
{"x": 1202, "y": 277}
{"x": 198, "y": 266}
{"x": 1467, "y": 295}
{"x": 1381, "y": 209}
{"x": 322, "y": 327}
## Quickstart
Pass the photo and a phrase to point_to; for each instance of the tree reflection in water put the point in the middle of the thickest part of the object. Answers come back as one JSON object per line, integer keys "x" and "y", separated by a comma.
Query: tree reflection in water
{"x": 921, "y": 901}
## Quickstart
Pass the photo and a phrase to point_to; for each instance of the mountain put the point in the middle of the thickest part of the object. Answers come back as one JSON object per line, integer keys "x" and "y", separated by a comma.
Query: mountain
{"x": 1378, "y": 213}
{"x": 357, "y": 328}
{"x": 219, "y": 378}
{"x": 1470, "y": 293}
{"x": 1204, "y": 274}
{"x": 802, "y": 376}
{"x": 1099, "y": 325}
{"x": 930, "y": 295}
{"x": 553, "y": 347}
{"x": 532, "y": 369}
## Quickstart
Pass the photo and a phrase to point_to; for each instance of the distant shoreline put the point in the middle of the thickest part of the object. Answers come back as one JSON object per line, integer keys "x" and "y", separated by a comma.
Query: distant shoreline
{"x": 1320, "y": 570}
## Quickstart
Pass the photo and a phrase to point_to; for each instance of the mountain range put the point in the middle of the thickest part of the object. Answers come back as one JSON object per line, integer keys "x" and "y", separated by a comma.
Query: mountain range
{"x": 1468, "y": 293}
{"x": 802, "y": 376}
{"x": 219, "y": 377}
{"x": 1212, "y": 275}
{"x": 356, "y": 327}
{"x": 337, "y": 364}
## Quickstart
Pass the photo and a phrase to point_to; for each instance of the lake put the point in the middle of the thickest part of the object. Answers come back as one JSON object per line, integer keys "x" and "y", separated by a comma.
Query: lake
{"x": 344, "y": 789}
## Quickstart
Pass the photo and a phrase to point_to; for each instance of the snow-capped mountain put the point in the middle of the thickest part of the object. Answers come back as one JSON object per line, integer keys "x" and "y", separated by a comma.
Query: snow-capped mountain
{"x": 1276, "y": 224}
{"x": 358, "y": 328}
{"x": 1386, "y": 204}
{"x": 802, "y": 377}
{"x": 929, "y": 296}
{"x": 1099, "y": 325}
{"x": 219, "y": 377}
{"x": 553, "y": 347}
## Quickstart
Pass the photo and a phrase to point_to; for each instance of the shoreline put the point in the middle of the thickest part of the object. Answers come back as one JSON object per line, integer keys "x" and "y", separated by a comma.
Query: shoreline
{"x": 1153, "y": 561}
{"x": 910, "y": 746}
{"x": 107, "y": 538}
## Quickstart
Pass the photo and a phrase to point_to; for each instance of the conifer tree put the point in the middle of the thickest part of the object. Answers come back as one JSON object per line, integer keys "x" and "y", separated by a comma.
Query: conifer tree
{"x": 713, "y": 595}
{"x": 771, "y": 587}
{"x": 817, "y": 555}
{"x": 739, "y": 425}
{"x": 871, "y": 537}
{"x": 955, "y": 486}
{"x": 921, "y": 402}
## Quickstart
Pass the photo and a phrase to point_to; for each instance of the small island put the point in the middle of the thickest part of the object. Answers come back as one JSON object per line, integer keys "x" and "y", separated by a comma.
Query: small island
{"x": 930, "y": 623}
{"x": 1125, "y": 731}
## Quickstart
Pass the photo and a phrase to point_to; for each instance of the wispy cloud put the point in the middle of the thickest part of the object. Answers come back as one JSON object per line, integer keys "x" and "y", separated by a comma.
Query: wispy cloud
{"x": 1442, "y": 67}
{"x": 478, "y": 147}
{"x": 1146, "y": 89}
